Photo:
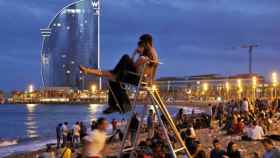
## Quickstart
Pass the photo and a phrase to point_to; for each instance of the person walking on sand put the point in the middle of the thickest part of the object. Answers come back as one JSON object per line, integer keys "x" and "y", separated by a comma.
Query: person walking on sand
{"x": 94, "y": 146}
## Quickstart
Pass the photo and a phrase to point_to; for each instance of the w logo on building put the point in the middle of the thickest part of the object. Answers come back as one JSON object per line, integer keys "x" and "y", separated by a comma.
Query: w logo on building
{"x": 95, "y": 4}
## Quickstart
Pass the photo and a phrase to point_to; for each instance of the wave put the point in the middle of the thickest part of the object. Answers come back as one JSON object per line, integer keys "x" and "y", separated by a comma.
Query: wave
{"x": 4, "y": 143}
{"x": 10, "y": 142}
{"x": 25, "y": 147}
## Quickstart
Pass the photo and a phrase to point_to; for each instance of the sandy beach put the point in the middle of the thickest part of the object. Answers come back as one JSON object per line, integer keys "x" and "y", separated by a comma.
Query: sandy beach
{"x": 205, "y": 136}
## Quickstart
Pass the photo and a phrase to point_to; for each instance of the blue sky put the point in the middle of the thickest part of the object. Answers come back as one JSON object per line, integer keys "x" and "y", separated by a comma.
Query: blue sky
{"x": 191, "y": 36}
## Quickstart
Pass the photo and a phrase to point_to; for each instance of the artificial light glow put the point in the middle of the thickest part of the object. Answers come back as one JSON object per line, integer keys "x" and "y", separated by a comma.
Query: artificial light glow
{"x": 154, "y": 87}
{"x": 274, "y": 79}
{"x": 31, "y": 107}
{"x": 205, "y": 86}
{"x": 189, "y": 91}
{"x": 254, "y": 81}
{"x": 93, "y": 88}
{"x": 239, "y": 84}
{"x": 31, "y": 88}
{"x": 68, "y": 72}
{"x": 227, "y": 86}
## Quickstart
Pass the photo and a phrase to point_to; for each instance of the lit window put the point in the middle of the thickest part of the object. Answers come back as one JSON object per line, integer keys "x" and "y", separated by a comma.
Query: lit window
{"x": 78, "y": 11}
{"x": 68, "y": 72}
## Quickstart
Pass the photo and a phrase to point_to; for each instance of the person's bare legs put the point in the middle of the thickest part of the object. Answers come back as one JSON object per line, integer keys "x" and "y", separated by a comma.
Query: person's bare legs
{"x": 97, "y": 72}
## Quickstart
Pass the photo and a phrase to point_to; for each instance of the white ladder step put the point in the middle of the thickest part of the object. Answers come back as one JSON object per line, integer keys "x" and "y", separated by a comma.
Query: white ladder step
{"x": 180, "y": 149}
{"x": 127, "y": 149}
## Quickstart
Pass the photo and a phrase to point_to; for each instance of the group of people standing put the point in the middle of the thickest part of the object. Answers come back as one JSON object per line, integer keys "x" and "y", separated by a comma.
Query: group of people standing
{"x": 67, "y": 136}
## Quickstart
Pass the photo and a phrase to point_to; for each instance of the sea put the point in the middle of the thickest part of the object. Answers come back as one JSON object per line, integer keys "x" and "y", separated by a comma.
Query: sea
{"x": 30, "y": 127}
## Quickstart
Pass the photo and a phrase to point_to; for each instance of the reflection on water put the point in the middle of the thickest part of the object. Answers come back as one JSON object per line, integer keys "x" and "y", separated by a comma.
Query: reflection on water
{"x": 31, "y": 107}
{"x": 93, "y": 110}
{"x": 31, "y": 124}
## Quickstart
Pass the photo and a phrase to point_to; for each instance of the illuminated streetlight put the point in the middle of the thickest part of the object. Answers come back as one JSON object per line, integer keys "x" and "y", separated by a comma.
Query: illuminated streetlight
{"x": 227, "y": 89}
{"x": 254, "y": 86}
{"x": 189, "y": 92}
{"x": 240, "y": 89}
{"x": 254, "y": 81}
{"x": 93, "y": 88}
{"x": 227, "y": 86}
{"x": 274, "y": 79}
{"x": 30, "y": 88}
{"x": 205, "y": 87}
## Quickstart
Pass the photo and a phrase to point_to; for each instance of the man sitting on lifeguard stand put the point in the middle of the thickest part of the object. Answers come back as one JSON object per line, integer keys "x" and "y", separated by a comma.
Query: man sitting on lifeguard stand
{"x": 128, "y": 71}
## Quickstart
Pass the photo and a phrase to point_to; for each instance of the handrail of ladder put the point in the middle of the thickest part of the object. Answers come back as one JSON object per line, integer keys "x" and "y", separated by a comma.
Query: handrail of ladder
{"x": 162, "y": 106}
{"x": 135, "y": 100}
{"x": 133, "y": 108}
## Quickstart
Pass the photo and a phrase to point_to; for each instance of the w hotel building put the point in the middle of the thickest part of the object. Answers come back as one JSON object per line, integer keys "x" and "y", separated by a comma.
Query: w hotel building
{"x": 70, "y": 40}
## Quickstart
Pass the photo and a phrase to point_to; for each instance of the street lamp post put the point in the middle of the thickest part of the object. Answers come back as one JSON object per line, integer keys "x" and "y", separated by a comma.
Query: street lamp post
{"x": 254, "y": 87}
{"x": 240, "y": 89}
{"x": 274, "y": 80}
{"x": 30, "y": 92}
{"x": 227, "y": 90}
{"x": 93, "y": 88}
{"x": 205, "y": 89}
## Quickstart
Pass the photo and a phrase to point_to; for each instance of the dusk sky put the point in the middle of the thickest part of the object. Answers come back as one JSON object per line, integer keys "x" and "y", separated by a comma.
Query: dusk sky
{"x": 192, "y": 36}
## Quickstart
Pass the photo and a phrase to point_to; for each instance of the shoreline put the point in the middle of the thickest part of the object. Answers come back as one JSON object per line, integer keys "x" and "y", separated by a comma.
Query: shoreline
{"x": 32, "y": 153}
{"x": 175, "y": 103}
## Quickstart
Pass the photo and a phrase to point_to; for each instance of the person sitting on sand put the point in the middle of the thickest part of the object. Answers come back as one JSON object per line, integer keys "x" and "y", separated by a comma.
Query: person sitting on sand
{"x": 254, "y": 132}
{"x": 217, "y": 152}
{"x": 238, "y": 128}
{"x": 146, "y": 52}
{"x": 48, "y": 153}
{"x": 232, "y": 150}
{"x": 66, "y": 151}
{"x": 198, "y": 152}
{"x": 271, "y": 151}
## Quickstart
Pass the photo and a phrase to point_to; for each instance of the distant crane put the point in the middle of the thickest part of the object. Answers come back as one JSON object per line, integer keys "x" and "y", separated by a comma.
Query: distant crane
{"x": 250, "y": 48}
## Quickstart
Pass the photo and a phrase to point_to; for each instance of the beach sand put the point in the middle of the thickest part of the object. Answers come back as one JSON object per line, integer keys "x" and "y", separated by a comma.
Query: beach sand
{"x": 206, "y": 136}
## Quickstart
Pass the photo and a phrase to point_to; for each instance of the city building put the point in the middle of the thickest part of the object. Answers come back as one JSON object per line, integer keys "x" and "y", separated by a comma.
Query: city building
{"x": 71, "y": 39}
{"x": 213, "y": 86}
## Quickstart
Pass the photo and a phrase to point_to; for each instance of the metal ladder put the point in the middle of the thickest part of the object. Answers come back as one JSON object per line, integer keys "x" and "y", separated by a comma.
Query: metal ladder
{"x": 160, "y": 108}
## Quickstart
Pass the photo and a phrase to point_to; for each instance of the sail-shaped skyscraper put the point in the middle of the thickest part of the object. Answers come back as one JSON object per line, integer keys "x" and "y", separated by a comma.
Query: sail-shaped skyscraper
{"x": 71, "y": 39}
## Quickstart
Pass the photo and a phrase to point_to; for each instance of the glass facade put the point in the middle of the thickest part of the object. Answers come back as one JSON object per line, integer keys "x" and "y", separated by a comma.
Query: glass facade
{"x": 70, "y": 40}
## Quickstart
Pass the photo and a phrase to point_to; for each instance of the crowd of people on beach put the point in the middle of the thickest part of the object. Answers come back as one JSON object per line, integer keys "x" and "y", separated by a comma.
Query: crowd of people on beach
{"x": 249, "y": 121}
